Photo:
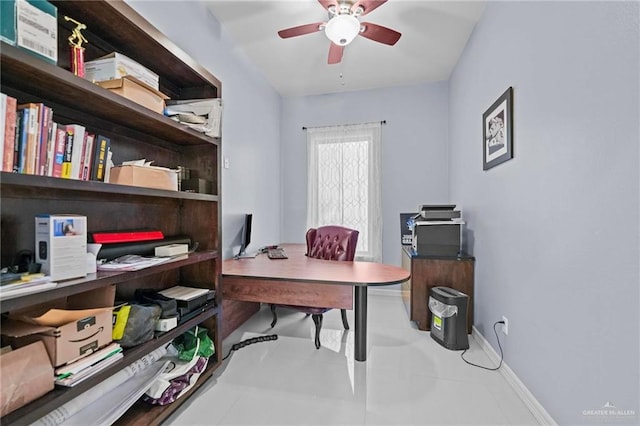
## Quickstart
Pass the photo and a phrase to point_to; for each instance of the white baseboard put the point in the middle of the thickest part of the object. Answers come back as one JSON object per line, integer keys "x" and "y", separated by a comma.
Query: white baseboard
{"x": 538, "y": 411}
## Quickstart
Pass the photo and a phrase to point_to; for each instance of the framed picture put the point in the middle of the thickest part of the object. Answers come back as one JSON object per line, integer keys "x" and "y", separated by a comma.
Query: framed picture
{"x": 497, "y": 131}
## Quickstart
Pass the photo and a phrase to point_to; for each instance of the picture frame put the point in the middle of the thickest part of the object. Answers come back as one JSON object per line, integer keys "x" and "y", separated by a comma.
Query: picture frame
{"x": 497, "y": 131}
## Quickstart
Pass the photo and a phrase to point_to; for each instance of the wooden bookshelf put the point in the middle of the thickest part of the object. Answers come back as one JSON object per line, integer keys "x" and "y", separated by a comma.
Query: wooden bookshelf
{"x": 135, "y": 132}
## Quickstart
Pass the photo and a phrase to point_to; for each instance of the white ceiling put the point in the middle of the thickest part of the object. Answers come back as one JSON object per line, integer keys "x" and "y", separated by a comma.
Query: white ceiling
{"x": 434, "y": 34}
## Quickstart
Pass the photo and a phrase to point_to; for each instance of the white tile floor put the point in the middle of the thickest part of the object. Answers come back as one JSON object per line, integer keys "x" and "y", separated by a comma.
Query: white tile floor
{"x": 408, "y": 378}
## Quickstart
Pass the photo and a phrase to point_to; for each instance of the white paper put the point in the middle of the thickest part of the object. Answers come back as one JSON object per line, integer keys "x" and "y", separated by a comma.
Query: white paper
{"x": 97, "y": 402}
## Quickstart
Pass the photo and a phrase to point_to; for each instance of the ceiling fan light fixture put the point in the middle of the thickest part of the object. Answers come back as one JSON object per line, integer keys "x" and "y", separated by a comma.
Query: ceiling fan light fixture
{"x": 342, "y": 29}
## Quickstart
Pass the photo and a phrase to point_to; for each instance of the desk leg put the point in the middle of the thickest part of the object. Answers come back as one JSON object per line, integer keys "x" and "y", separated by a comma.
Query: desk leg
{"x": 361, "y": 323}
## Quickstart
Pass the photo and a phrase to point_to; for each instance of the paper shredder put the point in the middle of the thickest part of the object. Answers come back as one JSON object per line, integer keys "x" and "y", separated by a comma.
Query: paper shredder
{"x": 449, "y": 317}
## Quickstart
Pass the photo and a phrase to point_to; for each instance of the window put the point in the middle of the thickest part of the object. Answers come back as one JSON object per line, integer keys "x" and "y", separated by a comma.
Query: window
{"x": 343, "y": 182}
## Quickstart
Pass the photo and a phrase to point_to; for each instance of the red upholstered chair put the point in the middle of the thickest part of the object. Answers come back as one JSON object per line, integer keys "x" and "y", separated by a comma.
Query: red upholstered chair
{"x": 330, "y": 243}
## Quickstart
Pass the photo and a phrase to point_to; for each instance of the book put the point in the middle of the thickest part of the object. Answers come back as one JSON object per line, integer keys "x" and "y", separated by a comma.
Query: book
{"x": 29, "y": 147}
{"x": 44, "y": 127}
{"x": 88, "y": 156}
{"x": 68, "y": 150}
{"x": 76, "y": 150}
{"x": 52, "y": 140}
{"x": 9, "y": 134}
{"x": 100, "y": 157}
{"x": 73, "y": 379}
{"x": 58, "y": 156}
{"x": 23, "y": 136}
{"x": 77, "y": 365}
{"x": 3, "y": 118}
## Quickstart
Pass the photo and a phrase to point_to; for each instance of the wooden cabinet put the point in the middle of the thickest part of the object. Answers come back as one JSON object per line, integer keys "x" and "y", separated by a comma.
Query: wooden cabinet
{"x": 135, "y": 132}
{"x": 433, "y": 271}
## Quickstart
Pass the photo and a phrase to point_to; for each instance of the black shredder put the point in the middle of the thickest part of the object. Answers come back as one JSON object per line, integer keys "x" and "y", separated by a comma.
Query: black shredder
{"x": 449, "y": 317}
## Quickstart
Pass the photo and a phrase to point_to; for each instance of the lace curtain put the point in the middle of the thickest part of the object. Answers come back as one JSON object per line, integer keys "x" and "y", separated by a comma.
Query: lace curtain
{"x": 343, "y": 182}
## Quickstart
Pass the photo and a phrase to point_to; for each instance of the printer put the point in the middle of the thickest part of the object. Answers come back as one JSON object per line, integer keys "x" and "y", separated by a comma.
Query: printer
{"x": 437, "y": 230}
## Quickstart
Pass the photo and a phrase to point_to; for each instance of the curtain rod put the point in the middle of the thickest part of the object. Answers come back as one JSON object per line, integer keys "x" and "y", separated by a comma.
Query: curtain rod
{"x": 371, "y": 122}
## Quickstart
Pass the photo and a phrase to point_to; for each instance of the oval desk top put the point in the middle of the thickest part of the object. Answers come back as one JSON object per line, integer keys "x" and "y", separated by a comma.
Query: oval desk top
{"x": 299, "y": 267}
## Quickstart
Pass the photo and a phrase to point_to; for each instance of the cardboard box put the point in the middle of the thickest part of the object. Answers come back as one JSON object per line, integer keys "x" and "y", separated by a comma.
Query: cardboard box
{"x": 69, "y": 327}
{"x": 136, "y": 91}
{"x": 115, "y": 66}
{"x": 26, "y": 374}
{"x": 66, "y": 334}
{"x": 61, "y": 245}
{"x": 146, "y": 176}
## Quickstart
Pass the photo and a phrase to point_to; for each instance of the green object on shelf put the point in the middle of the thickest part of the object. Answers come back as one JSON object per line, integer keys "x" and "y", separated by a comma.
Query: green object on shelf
{"x": 194, "y": 342}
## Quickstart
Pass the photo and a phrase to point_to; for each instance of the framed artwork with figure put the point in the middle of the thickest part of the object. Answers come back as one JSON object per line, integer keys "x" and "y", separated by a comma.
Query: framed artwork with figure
{"x": 497, "y": 131}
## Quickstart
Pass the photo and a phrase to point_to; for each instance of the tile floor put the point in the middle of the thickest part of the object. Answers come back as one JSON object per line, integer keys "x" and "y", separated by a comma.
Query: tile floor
{"x": 408, "y": 378}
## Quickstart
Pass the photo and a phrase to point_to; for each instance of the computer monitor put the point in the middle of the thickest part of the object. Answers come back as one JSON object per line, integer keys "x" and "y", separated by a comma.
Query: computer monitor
{"x": 246, "y": 237}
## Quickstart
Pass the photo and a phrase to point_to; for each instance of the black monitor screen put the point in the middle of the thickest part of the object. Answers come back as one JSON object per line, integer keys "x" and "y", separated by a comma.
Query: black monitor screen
{"x": 246, "y": 234}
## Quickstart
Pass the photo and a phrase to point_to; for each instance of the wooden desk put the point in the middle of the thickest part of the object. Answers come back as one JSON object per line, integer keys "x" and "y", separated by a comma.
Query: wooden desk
{"x": 300, "y": 280}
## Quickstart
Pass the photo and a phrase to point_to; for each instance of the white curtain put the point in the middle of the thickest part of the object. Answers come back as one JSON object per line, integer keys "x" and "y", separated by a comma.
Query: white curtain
{"x": 343, "y": 182}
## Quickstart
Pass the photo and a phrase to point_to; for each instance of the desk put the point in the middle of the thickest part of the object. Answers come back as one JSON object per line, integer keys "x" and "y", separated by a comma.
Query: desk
{"x": 300, "y": 280}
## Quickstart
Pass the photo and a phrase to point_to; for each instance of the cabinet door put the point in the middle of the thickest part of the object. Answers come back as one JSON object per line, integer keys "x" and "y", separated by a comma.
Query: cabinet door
{"x": 428, "y": 273}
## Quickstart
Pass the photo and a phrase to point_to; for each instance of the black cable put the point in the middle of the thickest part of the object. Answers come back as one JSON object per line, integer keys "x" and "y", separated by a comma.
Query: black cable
{"x": 247, "y": 342}
{"x": 501, "y": 355}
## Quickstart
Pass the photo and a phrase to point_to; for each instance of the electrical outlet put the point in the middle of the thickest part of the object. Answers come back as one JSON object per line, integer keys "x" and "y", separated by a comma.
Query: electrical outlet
{"x": 505, "y": 326}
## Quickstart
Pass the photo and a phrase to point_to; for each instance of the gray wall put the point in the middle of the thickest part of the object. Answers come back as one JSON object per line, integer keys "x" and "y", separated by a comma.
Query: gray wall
{"x": 250, "y": 121}
{"x": 414, "y": 151}
{"x": 555, "y": 230}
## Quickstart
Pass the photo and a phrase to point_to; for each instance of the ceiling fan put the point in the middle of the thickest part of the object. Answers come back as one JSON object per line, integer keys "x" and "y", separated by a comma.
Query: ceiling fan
{"x": 343, "y": 26}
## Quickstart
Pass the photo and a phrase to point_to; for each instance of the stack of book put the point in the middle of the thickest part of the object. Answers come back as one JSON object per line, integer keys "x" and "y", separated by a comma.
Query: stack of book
{"x": 32, "y": 143}
{"x": 81, "y": 369}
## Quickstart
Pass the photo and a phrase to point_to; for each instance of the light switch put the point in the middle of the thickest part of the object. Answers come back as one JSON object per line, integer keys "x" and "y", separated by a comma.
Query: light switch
{"x": 226, "y": 162}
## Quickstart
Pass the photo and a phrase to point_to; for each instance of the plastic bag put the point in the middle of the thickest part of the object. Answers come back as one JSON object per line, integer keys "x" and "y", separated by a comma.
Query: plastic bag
{"x": 194, "y": 342}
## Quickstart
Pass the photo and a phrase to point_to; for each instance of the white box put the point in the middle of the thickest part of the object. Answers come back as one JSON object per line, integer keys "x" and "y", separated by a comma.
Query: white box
{"x": 166, "y": 324}
{"x": 61, "y": 245}
{"x": 37, "y": 28}
{"x": 115, "y": 66}
{"x": 171, "y": 250}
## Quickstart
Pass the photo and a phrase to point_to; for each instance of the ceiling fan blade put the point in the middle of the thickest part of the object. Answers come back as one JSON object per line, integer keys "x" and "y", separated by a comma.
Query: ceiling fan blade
{"x": 327, "y": 3}
{"x": 335, "y": 53}
{"x": 367, "y": 5}
{"x": 380, "y": 34}
{"x": 300, "y": 30}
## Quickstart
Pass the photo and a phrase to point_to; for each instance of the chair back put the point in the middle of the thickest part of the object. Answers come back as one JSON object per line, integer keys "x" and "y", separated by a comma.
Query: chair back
{"x": 332, "y": 242}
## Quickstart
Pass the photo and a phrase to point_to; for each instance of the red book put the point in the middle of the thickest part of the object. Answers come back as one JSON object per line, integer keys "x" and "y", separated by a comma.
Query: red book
{"x": 9, "y": 134}
{"x": 108, "y": 237}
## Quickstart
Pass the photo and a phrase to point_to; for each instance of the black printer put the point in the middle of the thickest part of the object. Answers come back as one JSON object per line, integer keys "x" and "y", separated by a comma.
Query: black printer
{"x": 437, "y": 230}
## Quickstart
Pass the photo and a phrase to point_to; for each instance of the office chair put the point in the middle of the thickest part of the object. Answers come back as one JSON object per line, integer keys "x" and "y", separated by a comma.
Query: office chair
{"x": 330, "y": 243}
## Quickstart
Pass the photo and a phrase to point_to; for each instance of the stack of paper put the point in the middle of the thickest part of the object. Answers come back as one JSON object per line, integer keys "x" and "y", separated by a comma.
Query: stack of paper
{"x": 25, "y": 283}
{"x": 202, "y": 115}
{"x": 77, "y": 371}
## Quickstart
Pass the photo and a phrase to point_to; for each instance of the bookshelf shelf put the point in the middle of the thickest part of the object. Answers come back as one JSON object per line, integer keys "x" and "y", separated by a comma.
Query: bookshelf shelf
{"x": 135, "y": 132}
{"x": 15, "y": 183}
{"x": 99, "y": 280}
{"x": 59, "y": 88}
